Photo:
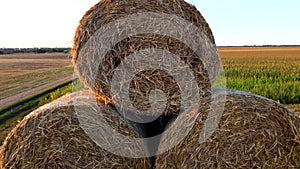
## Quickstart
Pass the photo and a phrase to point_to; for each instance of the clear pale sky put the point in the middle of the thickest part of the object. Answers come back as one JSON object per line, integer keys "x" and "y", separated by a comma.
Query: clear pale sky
{"x": 52, "y": 23}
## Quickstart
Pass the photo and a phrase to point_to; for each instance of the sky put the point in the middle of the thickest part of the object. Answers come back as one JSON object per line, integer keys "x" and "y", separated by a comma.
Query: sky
{"x": 52, "y": 23}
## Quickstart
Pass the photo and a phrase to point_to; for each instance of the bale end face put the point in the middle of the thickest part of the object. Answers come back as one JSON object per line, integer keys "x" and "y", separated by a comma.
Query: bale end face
{"x": 52, "y": 137}
{"x": 99, "y": 77}
{"x": 253, "y": 133}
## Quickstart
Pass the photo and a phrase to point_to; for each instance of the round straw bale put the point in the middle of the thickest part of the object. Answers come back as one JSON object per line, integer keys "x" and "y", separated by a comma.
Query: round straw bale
{"x": 253, "y": 133}
{"x": 51, "y": 137}
{"x": 107, "y": 11}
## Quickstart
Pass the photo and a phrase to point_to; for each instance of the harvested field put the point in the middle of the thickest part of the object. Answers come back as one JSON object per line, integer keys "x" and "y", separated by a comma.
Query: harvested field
{"x": 22, "y": 72}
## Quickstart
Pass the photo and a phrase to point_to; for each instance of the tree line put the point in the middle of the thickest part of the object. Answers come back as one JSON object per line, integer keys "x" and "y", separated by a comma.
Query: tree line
{"x": 34, "y": 50}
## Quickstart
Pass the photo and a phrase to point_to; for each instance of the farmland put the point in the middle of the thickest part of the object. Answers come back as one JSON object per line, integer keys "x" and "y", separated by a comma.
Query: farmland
{"x": 33, "y": 76}
{"x": 22, "y": 72}
{"x": 11, "y": 117}
{"x": 270, "y": 72}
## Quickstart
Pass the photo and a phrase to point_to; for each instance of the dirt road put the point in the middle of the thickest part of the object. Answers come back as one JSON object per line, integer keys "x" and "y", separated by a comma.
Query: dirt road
{"x": 21, "y": 96}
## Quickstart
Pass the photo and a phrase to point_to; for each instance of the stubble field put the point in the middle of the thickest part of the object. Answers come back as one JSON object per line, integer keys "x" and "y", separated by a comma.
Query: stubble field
{"x": 27, "y": 75}
{"x": 22, "y": 72}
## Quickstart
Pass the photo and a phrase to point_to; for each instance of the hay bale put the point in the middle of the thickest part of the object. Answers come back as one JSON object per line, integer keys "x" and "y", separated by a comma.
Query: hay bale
{"x": 51, "y": 137}
{"x": 108, "y": 11}
{"x": 253, "y": 133}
